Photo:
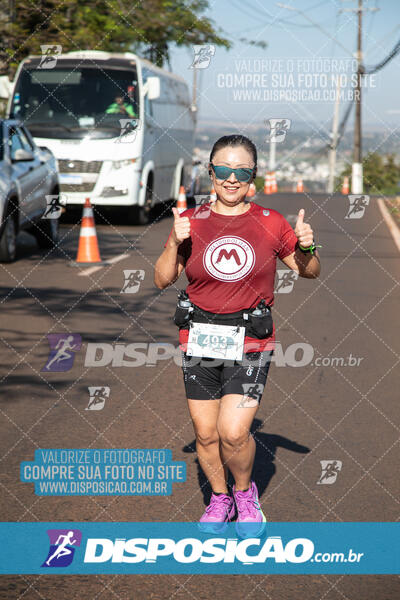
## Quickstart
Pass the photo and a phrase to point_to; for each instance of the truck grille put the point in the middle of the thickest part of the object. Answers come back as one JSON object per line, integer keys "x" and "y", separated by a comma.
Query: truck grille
{"x": 79, "y": 166}
{"x": 80, "y": 187}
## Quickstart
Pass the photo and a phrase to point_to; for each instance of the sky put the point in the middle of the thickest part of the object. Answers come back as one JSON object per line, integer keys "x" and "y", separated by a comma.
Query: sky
{"x": 292, "y": 63}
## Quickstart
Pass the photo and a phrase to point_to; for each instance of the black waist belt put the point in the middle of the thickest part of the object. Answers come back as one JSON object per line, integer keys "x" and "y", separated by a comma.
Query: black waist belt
{"x": 259, "y": 327}
{"x": 204, "y": 316}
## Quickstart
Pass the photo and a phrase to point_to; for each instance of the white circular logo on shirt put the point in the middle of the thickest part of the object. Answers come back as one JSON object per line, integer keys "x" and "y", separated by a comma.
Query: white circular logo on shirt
{"x": 229, "y": 258}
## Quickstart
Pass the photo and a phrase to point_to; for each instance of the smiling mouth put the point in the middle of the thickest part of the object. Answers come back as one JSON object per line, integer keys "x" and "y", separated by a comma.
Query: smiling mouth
{"x": 231, "y": 188}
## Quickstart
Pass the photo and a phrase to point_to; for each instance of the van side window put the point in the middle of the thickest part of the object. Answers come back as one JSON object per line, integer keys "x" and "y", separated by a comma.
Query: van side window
{"x": 148, "y": 105}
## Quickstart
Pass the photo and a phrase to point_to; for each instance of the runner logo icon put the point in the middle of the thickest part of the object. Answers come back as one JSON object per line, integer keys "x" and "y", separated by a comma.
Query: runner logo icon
{"x": 133, "y": 279}
{"x": 330, "y": 470}
{"x": 252, "y": 393}
{"x": 285, "y": 282}
{"x": 62, "y": 351}
{"x": 229, "y": 258}
{"x": 62, "y": 550}
{"x": 357, "y": 206}
{"x": 98, "y": 396}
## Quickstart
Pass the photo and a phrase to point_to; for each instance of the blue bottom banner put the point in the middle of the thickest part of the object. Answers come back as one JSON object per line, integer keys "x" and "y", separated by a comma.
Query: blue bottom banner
{"x": 156, "y": 548}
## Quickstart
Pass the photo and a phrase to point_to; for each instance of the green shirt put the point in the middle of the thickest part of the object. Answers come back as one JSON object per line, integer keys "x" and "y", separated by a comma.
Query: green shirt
{"x": 115, "y": 108}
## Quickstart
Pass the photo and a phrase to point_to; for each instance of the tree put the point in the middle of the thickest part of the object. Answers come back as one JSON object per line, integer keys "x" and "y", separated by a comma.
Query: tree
{"x": 148, "y": 27}
{"x": 381, "y": 174}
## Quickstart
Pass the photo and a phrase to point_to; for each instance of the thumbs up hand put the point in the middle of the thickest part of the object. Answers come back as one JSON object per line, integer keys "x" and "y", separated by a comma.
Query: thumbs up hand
{"x": 181, "y": 229}
{"x": 303, "y": 230}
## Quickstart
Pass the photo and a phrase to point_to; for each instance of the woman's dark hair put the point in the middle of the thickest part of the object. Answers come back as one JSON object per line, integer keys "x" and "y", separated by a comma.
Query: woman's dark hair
{"x": 235, "y": 140}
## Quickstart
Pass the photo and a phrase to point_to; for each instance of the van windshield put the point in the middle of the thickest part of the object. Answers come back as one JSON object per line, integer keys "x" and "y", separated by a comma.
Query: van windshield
{"x": 76, "y": 102}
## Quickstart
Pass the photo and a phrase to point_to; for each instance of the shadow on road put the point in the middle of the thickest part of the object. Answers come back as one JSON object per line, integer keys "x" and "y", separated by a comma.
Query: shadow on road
{"x": 102, "y": 303}
{"x": 115, "y": 215}
{"x": 264, "y": 463}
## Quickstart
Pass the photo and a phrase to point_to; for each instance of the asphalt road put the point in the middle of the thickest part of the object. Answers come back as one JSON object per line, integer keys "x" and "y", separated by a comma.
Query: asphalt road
{"x": 327, "y": 411}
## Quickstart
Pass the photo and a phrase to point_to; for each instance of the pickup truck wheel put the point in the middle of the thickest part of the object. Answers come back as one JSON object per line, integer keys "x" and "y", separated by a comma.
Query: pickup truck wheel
{"x": 46, "y": 232}
{"x": 8, "y": 240}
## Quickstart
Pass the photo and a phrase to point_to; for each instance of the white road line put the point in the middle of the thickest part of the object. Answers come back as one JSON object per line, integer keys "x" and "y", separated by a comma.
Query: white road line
{"x": 91, "y": 270}
{"x": 390, "y": 222}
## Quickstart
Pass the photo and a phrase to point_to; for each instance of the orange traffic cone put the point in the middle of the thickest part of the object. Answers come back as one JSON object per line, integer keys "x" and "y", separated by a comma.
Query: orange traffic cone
{"x": 345, "y": 186}
{"x": 251, "y": 191}
{"x": 181, "y": 205}
{"x": 88, "y": 248}
{"x": 300, "y": 186}
{"x": 267, "y": 184}
{"x": 274, "y": 185}
{"x": 213, "y": 195}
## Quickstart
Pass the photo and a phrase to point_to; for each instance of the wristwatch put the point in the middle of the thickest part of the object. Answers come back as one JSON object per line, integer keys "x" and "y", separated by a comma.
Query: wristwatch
{"x": 309, "y": 249}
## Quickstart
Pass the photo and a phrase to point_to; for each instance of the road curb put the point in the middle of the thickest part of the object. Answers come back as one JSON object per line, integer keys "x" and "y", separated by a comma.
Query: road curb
{"x": 390, "y": 222}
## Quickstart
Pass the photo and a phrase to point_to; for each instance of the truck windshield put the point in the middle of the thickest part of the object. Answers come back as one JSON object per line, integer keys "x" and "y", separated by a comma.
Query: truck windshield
{"x": 75, "y": 102}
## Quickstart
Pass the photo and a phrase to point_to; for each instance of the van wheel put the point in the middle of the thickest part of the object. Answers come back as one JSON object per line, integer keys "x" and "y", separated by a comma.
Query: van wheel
{"x": 46, "y": 232}
{"x": 8, "y": 240}
{"x": 141, "y": 215}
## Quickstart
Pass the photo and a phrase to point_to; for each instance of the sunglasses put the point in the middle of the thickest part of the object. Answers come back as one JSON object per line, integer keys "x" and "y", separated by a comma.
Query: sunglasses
{"x": 243, "y": 174}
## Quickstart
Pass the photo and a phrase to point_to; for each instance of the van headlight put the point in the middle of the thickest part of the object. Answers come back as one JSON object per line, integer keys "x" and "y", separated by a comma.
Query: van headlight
{"x": 118, "y": 164}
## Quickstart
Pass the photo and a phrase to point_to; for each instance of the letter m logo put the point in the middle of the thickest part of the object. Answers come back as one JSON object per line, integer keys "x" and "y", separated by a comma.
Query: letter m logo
{"x": 228, "y": 255}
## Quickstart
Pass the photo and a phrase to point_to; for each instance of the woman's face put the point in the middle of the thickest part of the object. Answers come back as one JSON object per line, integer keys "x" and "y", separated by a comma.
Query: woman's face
{"x": 231, "y": 191}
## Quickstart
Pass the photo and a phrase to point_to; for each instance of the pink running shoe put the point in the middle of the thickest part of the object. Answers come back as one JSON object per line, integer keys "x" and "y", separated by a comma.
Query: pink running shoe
{"x": 251, "y": 521}
{"x": 217, "y": 514}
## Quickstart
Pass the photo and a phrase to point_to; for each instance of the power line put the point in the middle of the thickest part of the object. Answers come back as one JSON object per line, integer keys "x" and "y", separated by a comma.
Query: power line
{"x": 289, "y": 7}
{"x": 369, "y": 70}
{"x": 277, "y": 22}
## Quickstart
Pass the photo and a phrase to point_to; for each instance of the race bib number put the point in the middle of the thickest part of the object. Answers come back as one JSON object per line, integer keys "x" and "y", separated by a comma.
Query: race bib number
{"x": 216, "y": 341}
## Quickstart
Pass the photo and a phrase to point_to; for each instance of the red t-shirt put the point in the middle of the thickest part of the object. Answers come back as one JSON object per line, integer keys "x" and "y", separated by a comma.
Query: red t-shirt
{"x": 230, "y": 261}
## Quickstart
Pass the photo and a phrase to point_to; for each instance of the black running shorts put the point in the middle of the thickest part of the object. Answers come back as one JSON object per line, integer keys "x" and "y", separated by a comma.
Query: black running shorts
{"x": 210, "y": 379}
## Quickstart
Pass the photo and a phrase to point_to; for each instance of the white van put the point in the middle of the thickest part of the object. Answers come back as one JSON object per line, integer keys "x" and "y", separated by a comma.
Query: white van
{"x": 121, "y": 128}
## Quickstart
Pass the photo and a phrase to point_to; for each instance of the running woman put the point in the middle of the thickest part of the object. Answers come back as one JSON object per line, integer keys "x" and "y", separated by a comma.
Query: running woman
{"x": 229, "y": 250}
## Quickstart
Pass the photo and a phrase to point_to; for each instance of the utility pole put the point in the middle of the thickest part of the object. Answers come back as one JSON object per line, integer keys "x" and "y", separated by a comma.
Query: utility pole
{"x": 333, "y": 144}
{"x": 194, "y": 90}
{"x": 272, "y": 154}
{"x": 357, "y": 170}
{"x": 334, "y": 137}
{"x": 193, "y": 106}
{"x": 357, "y": 175}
